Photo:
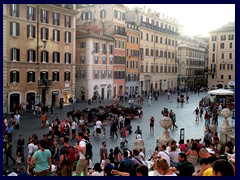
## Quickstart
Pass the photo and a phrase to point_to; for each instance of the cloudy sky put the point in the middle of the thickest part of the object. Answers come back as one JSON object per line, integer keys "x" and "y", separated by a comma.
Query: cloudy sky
{"x": 197, "y": 19}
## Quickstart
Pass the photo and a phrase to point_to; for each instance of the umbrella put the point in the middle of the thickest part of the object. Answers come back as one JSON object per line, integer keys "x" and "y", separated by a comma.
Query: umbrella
{"x": 220, "y": 92}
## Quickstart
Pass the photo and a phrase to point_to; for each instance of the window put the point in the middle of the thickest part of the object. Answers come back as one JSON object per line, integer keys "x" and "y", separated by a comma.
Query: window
{"x": 67, "y": 22}
{"x": 214, "y": 47}
{"x": 119, "y": 15}
{"x": 230, "y": 67}
{"x": 222, "y": 45}
{"x": 67, "y": 58}
{"x": 44, "y": 33}
{"x": 111, "y": 49}
{"x": 223, "y": 37}
{"x": 152, "y": 21}
{"x": 82, "y": 76}
{"x": 152, "y": 52}
{"x": 67, "y": 37}
{"x": 230, "y": 37}
{"x": 229, "y": 77}
{"x": 141, "y": 68}
{"x": 44, "y": 56}
{"x": 214, "y": 38}
{"x": 31, "y": 57}
{"x": 161, "y": 53}
{"x": 165, "y": 40}
{"x": 103, "y": 14}
{"x": 141, "y": 35}
{"x": 230, "y": 45}
{"x": 147, "y": 36}
{"x": 14, "y": 10}
{"x": 14, "y": 76}
{"x": 56, "y": 35}
{"x": 230, "y": 55}
{"x": 103, "y": 74}
{"x": 31, "y": 13}
{"x": 172, "y": 69}
{"x": 169, "y": 42}
{"x": 152, "y": 68}
{"x": 222, "y": 56}
{"x": 123, "y": 44}
{"x": 15, "y": 54}
{"x": 213, "y": 57}
{"x": 104, "y": 59}
{"x": 157, "y": 68}
{"x": 156, "y": 53}
{"x": 161, "y": 69}
{"x": 56, "y": 57}
{"x": 67, "y": 76}
{"x": 86, "y": 16}
{"x": 82, "y": 61}
{"x": 146, "y": 68}
{"x": 56, "y": 19}
{"x": 96, "y": 74}
{"x": 147, "y": 52}
{"x": 96, "y": 59}
{"x": 109, "y": 73}
{"x": 82, "y": 44}
{"x": 165, "y": 54}
{"x": 104, "y": 48}
{"x": 147, "y": 20}
{"x": 55, "y": 76}
{"x": 222, "y": 76}
{"x": 43, "y": 75}
{"x": 111, "y": 60}
{"x": 30, "y": 76}
{"x": 31, "y": 31}
{"x": 96, "y": 47}
{"x": 14, "y": 29}
{"x": 152, "y": 38}
{"x": 44, "y": 16}
{"x": 172, "y": 42}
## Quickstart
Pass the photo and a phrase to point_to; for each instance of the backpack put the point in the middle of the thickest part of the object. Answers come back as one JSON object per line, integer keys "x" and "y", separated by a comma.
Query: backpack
{"x": 88, "y": 153}
{"x": 70, "y": 155}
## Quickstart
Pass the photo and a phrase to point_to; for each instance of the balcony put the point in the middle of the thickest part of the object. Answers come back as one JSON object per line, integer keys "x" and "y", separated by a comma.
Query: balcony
{"x": 122, "y": 33}
{"x": 44, "y": 83}
{"x": 156, "y": 28}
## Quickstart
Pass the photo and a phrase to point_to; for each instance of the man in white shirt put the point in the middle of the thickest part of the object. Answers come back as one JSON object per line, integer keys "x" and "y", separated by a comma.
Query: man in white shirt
{"x": 98, "y": 127}
{"x": 30, "y": 151}
{"x": 164, "y": 154}
{"x": 17, "y": 118}
{"x": 82, "y": 165}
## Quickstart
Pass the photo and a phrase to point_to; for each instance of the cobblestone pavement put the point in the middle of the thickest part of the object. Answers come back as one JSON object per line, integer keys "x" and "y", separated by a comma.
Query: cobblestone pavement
{"x": 184, "y": 114}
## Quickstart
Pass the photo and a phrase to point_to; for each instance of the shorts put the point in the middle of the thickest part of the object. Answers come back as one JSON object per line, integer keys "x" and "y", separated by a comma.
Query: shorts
{"x": 19, "y": 160}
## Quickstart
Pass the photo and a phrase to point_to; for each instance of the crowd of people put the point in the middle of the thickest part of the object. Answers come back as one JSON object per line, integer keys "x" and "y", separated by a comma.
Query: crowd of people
{"x": 52, "y": 153}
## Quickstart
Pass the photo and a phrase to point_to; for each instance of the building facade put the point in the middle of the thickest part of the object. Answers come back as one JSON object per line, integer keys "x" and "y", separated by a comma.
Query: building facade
{"x": 110, "y": 19}
{"x": 132, "y": 59}
{"x": 222, "y": 57}
{"x": 94, "y": 65}
{"x": 158, "y": 49}
{"x": 192, "y": 62}
{"x": 38, "y": 54}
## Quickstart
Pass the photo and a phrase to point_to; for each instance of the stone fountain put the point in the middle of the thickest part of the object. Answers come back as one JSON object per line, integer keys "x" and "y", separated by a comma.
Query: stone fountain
{"x": 166, "y": 123}
{"x": 226, "y": 133}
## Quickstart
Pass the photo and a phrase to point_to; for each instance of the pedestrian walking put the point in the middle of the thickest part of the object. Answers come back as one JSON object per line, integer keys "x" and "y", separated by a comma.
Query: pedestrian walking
{"x": 51, "y": 110}
{"x": 8, "y": 152}
{"x": 17, "y": 118}
{"x": 43, "y": 119}
{"x": 151, "y": 125}
{"x": 20, "y": 144}
{"x": 138, "y": 132}
{"x": 168, "y": 95}
{"x": 149, "y": 101}
{"x": 196, "y": 111}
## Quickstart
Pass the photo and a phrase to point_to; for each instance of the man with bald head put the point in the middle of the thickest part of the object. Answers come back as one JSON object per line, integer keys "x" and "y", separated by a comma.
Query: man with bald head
{"x": 203, "y": 153}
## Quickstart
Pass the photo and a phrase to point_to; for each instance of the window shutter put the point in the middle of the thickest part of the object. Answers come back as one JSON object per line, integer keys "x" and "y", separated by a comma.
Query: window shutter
{"x": 33, "y": 77}
{"x": 17, "y": 76}
{"x": 65, "y": 76}
{"x": 17, "y": 26}
{"x": 47, "y": 17}
{"x": 17, "y": 10}
{"x": 69, "y": 22}
{"x": 69, "y": 37}
{"x": 11, "y": 77}
{"x": 11, "y": 30}
{"x": 65, "y": 36}
{"x": 46, "y": 56}
{"x": 58, "y": 35}
{"x": 18, "y": 54}
{"x": 46, "y": 34}
{"x": 28, "y": 30}
{"x": 34, "y": 31}
{"x": 28, "y": 76}
{"x": 57, "y": 76}
{"x": 41, "y": 33}
{"x": 34, "y": 14}
{"x": 69, "y": 58}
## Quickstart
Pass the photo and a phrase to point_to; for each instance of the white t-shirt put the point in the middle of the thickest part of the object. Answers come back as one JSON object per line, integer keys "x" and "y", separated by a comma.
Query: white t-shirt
{"x": 30, "y": 148}
{"x": 164, "y": 155}
{"x": 99, "y": 124}
{"x": 82, "y": 144}
{"x": 97, "y": 173}
{"x": 73, "y": 125}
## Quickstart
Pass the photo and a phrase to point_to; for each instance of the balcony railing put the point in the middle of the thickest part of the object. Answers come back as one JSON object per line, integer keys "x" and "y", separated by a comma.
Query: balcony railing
{"x": 156, "y": 28}
{"x": 123, "y": 33}
{"x": 44, "y": 83}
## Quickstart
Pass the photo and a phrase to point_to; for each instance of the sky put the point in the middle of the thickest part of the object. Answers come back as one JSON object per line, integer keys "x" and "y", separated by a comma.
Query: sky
{"x": 197, "y": 19}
